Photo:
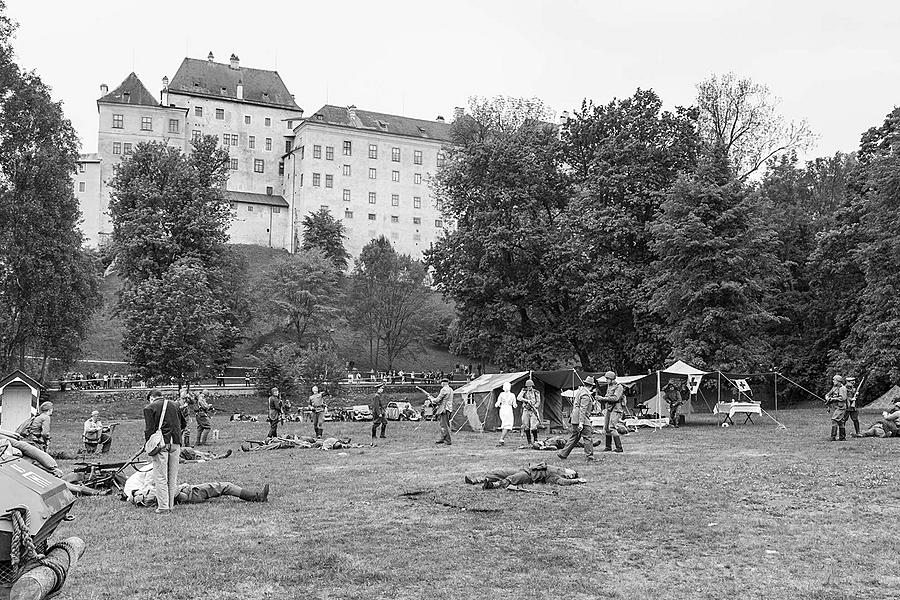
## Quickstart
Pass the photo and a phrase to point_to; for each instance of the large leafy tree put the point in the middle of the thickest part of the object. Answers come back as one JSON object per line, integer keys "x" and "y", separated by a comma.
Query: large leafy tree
{"x": 170, "y": 219}
{"x": 389, "y": 302}
{"x": 324, "y": 232}
{"x": 48, "y": 283}
{"x": 864, "y": 242}
{"x": 550, "y": 245}
{"x": 715, "y": 267}
{"x": 300, "y": 295}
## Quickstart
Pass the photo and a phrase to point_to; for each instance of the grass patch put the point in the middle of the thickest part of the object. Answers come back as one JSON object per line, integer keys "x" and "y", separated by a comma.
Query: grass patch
{"x": 700, "y": 512}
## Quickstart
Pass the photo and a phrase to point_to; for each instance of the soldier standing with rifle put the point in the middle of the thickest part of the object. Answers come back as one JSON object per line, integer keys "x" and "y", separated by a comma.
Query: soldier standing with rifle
{"x": 615, "y": 408}
{"x": 836, "y": 400}
{"x": 442, "y": 407}
{"x": 379, "y": 416}
{"x": 852, "y": 412}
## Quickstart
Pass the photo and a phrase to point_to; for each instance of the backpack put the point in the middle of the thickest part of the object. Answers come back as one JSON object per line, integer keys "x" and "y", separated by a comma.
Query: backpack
{"x": 24, "y": 429}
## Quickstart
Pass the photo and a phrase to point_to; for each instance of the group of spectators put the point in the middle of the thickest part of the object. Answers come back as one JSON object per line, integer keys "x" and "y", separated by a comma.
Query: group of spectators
{"x": 467, "y": 372}
{"x": 95, "y": 381}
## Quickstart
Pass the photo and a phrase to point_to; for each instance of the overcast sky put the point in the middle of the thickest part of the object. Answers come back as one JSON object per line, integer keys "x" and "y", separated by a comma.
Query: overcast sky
{"x": 834, "y": 63}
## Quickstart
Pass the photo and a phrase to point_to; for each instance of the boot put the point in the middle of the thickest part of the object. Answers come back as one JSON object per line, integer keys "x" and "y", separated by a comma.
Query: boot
{"x": 856, "y": 426}
{"x": 203, "y": 437}
{"x": 842, "y": 433}
{"x": 383, "y": 427}
{"x": 226, "y": 455}
{"x": 608, "y": 446}
{"x": 186, "y": 437}
{"x": 260, "y": 496}
{"x": 618, "y": 441}
{"x": 528, "y": 436}
{"x": 834, "y": 430}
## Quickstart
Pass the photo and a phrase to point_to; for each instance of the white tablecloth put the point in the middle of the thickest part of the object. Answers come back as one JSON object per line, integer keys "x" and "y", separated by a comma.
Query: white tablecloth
{"x": 733, "y": 408}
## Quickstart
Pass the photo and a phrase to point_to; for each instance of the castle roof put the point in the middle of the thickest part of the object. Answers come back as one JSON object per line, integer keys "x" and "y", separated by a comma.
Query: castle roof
{"x": 381, "y": 122}
{"x": 210, "y": 79}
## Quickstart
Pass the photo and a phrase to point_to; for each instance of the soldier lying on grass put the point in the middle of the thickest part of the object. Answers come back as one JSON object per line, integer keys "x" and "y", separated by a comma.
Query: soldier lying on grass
{"x": 534, "y": 473}
{"x": 139, "y": 490}
{"x": 303, "y": 442}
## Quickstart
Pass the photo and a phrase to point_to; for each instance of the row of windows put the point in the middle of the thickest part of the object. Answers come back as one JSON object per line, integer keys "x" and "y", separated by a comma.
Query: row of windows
{"x": 348, "y": 214}
{"x": 373, "y": 197}
{"x": 259, "y": 165}
{"x": 118, "y": 122}
{"x": 231, "y": 139}
{"x": 122, "y": 148}
{"x": 373, "y": 174}
{"x": 275, "y": 209}
{"x": 373, "y": 153}
{"x": 220, "y": 116}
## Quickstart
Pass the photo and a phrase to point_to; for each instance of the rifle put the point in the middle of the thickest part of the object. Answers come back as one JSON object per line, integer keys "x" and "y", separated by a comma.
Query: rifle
{"x": 858, "y": 387}
{"x": 516, "y": 488}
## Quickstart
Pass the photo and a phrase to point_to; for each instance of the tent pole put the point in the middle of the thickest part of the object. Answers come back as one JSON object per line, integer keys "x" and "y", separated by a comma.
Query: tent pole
{"x": 658, "y": 392}
{"x": 776, "y": 394}
{"x": 719, "y": 388}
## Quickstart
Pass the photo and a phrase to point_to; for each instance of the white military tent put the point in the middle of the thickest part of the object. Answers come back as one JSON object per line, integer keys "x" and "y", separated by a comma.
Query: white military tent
{"x": 473, "y": 403}
{"x": 679, "y": 368}
{"x": 885, "y": 401}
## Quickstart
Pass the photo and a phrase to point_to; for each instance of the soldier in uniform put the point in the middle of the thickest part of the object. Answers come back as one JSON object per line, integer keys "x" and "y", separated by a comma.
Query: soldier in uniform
{"x": 36, "y": 430}
{"x": 201, "y": 414}
{"x": 138, "y": 490}
{"x": 442, "y": 408}
{"x": 530, "y": 399}
{"x": 379, "y": 416}
{"x": 852, "y": 412}
{"x": 186, "y": 404}
{"x": 836, "y": 400}
{"x": 276, "y": 412}
{"x": 317, "y": 403}
{"x": 672, "y": 395}
{"x": 614, "y": 400}
{"x": 96, "y": 434}
{"x": 582, "y": 405}
{"x": 533, "y": 473}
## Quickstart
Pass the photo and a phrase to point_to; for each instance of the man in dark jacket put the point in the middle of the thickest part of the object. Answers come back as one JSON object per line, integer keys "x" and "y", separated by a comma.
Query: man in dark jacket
{"x": 379, "y": 414}
{"x": 162, "y": 414}
{"x": 276, "y": 412}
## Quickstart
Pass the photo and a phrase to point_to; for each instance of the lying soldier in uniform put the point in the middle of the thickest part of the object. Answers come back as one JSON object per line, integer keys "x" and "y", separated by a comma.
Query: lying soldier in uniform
{"x": 888, "y": 426}
{"x": 243, "y": 417}
{"x": 533, "y": 473}
{"x": 302, "y": 442}
{"x": 189, "y": 454}
{"x": 139, "y": 490}
{"x": 558, "y": 442}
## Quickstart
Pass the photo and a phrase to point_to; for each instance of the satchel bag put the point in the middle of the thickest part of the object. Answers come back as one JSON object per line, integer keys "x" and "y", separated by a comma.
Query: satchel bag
{"x": 156, "y": 443}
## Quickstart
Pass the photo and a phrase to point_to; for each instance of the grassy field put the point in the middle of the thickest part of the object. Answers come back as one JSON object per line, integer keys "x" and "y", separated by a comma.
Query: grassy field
{"x": 699, "y": 512}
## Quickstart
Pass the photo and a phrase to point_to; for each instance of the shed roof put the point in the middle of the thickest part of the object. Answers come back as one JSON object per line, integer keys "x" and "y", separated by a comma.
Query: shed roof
{"x": 490, "y": 381}
{"x": 251, "y": 198}
{"x": 21, "y": 377}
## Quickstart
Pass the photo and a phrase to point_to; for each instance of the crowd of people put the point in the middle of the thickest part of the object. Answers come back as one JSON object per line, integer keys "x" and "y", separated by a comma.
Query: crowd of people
{"x": 74, "y": 380}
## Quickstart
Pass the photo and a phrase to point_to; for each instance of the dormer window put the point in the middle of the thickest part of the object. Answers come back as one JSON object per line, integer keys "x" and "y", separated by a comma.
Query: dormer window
{"x": 320, "y": 117}
{"x": 382, "y": 124}
{"x": 126, "y": 96}
{"x": 421, "y": 130}
{"x": 196, "y": 84}
{"x": 265, "y": 95}
{"x": 224, "y": 90}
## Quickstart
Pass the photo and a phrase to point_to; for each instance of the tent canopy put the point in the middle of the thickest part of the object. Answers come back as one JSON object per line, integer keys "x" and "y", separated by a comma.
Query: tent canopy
{"x": 886, "y": 400}
{"x": 489, "y": 382}
{"x": 679, "y": 367}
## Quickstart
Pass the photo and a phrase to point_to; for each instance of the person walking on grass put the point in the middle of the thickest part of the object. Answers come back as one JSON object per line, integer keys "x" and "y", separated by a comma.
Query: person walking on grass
{"x": 836, "y": 401}
{"x": 580, "y": 418}
{"x": 672, "y": 395}
{"x": 506, "y": 402}
{"x": 530, "y": 399}
{"x": 166, "y": 416}
{"x": 379, "y": 416}
{"x": 201, "y": 414}
{"x": 614, "y": 401}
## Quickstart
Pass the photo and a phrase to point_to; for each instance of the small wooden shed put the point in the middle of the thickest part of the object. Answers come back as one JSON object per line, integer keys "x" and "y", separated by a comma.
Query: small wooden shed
{"x": 20, "y": 396}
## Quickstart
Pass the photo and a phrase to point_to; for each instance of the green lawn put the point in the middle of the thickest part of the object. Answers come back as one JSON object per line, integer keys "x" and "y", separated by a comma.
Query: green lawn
{"x": 699, "y": 512}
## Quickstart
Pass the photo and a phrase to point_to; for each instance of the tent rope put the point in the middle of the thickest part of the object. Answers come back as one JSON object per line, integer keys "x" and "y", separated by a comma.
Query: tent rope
{"x": 801, "y": 387}
{"x": 777, "y": 422}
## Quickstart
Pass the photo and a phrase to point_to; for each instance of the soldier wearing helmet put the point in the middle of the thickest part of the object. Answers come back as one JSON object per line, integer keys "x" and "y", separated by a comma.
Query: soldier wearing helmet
{"x": 276, "y": 412}
{"x": 530, "y": 399}
{"x": 836, "y": 400}
{"x": 614, "y": 401}
{"x": 852, "y": 412}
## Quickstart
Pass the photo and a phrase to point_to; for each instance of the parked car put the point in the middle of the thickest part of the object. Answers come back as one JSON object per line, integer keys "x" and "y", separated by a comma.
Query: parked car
{"x": 402, "y": 411}
{"x": 360, "y": 412}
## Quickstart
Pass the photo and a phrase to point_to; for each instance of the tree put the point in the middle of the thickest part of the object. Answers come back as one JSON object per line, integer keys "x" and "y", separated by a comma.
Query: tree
{"x": 174, "y": 325}
{"x": 170, "y": 219}
{"x": 543, "y": 216}
{"x": 300, "y": 295}
{"x": 864, "y": 240}
{"x": 714, "y": 268}
{"x": 48, "y": 283}
{"x": 742, "y": 117}
{"x": 324, "y": 232}
{"x": 389, "y": 301}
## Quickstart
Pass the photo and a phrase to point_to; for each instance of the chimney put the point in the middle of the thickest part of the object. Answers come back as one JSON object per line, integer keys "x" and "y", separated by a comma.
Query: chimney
{"x": 240, "y": 88}
{"x": 351, "y": 111}
{"x": 104, "y": 89}
{"x": 301, "y": 112}
{"x": 164, "y": 95}
{"x": 439, "y": 119}
{"x": 210, "y": 56}
{"x": 235, "y": 62}
{"x": 458, "y": 112}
